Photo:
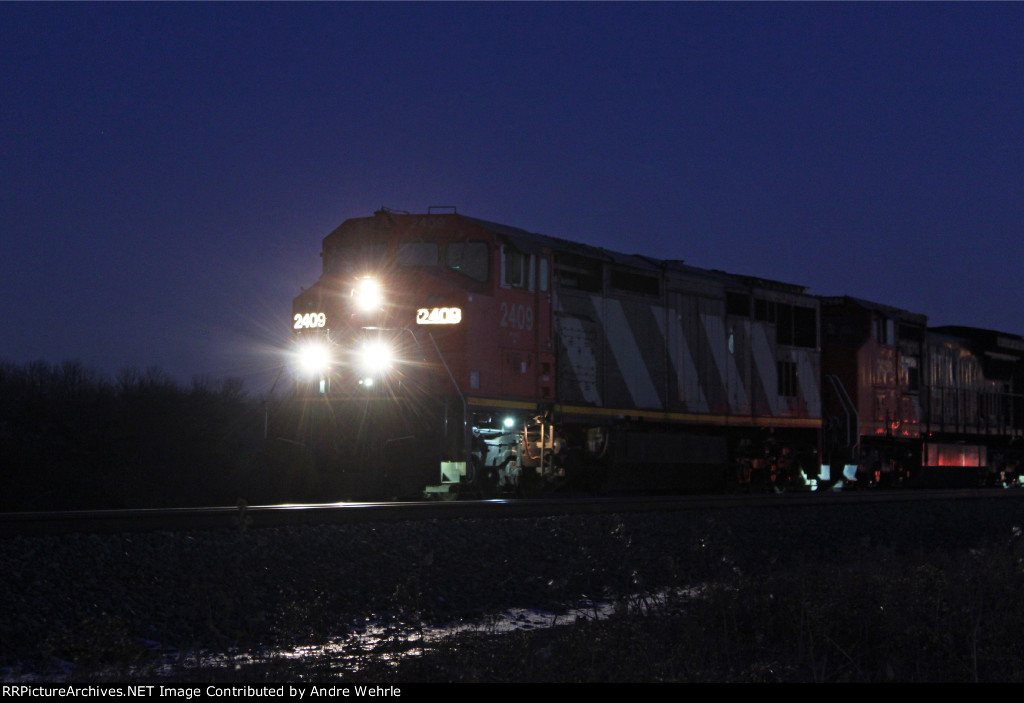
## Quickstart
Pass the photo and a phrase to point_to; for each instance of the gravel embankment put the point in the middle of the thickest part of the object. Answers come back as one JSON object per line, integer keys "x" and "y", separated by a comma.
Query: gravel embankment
{"x": 92, "y": 599}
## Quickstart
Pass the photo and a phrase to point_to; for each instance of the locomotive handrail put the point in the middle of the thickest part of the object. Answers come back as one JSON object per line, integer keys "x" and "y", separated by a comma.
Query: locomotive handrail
{"x": 849, "y": 408}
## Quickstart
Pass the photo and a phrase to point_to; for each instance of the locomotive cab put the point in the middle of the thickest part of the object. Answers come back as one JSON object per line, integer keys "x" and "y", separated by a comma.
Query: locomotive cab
{"x": 420, "y": 329}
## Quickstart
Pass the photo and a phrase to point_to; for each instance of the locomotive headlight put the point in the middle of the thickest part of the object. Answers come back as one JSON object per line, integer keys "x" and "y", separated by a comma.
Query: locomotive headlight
{"x": 375, "y": 357}
{"x": 314, "y": 359}
{"x": 367, "y": 294}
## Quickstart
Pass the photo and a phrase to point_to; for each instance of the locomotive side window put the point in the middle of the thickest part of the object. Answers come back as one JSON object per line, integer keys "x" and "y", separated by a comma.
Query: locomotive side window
{"x": 884, "y": 331}
{"x": 909, "y": 375}
{"x": 579, "y": 272}
{"x": 631, "y": 282}
{"x": 418, "y": 254}
{"x": 347, "y": 258}
{"x": 764, "y": 310}
{"x": 797, "y": 326}
{"x": 469, "y": 258}
{"x": 516, "y": 268}
{"x": 805, "y": 327}
{"x": 737, "y": 304}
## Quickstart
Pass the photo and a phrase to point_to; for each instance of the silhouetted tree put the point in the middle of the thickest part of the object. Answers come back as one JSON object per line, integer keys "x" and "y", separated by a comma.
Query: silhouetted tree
{"x": 70, "y": 438}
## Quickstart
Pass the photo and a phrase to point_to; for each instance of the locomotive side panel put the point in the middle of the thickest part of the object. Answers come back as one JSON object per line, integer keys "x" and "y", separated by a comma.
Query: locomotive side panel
{"x": 699, "y": 386}
{"x": 612, "y": 352}
{"x": 631, "y": 311}
{"x": 709, "y": 378}
{"x": 580, "y": 347}
{"x": 683, "y": 372}
{"x": 634, "y": 350}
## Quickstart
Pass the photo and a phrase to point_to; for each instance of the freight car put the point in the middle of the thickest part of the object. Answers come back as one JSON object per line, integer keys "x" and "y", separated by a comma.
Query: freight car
{"x": 450, "y": 354}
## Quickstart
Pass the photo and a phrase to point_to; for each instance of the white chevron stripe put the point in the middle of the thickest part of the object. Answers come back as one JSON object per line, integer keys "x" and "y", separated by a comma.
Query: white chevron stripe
{"x": 714, "y": 328}
{"x": 580, "y": 356}
{"x": 807, "y": 377}
{"x": 766, "y": 369}
{"x": 627, "y": 354}
{"x": 691, "y": 391}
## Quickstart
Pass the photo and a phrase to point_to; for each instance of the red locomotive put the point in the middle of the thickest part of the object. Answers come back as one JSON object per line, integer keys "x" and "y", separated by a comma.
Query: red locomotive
{"x": 440, "y": 352}
{"x": 905, "y": 403}
{"x": 872, "y": 362}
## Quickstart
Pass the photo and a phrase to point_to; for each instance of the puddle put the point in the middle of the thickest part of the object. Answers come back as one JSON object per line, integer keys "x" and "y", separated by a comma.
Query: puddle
{"x": 390, "y": 644}
{"x": 376, "y": 645}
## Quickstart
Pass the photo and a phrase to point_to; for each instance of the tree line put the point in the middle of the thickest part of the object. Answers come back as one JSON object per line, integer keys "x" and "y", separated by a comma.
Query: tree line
{"x": 73, "y": 438}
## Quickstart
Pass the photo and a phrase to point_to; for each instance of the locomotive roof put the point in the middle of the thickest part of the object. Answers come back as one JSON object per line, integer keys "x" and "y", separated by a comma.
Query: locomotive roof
{"x": 533, "y": 242}
{"x": 887, "y": 310}
{"x": 986, "y": 338}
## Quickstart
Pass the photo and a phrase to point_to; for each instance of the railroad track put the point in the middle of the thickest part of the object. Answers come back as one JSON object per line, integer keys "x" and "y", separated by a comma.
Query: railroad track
{"x": 243, "y": 517}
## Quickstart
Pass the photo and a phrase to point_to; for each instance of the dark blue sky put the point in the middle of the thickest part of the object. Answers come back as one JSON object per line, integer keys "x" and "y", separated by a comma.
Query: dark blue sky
{"x": 167, "y": 171}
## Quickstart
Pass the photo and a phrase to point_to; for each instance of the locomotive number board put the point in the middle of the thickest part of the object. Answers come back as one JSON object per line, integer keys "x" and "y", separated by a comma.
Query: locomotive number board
{"x": 439, "y": 316}
{"x": 310, "y": 320}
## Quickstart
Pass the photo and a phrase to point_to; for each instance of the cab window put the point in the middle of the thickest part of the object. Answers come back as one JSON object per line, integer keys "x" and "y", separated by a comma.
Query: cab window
{"x": 469, "y": 258}
{"x": 339, "y": 259}
{"x": 418, "y": 254}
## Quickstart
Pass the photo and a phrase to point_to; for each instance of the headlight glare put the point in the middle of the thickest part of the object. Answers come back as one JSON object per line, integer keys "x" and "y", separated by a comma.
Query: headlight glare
{"x": 367, "y": 294}
{"x": 375, "y": 357}
{"x": 314, "y": 359}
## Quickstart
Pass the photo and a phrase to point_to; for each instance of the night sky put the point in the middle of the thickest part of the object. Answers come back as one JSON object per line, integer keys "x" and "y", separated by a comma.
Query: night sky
{"x": 167, "y": 171}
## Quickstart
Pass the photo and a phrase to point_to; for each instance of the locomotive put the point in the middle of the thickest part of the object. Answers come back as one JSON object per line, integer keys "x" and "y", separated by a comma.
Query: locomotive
{"x": 446, "y": 354}
{"x": 912, "y": 404}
